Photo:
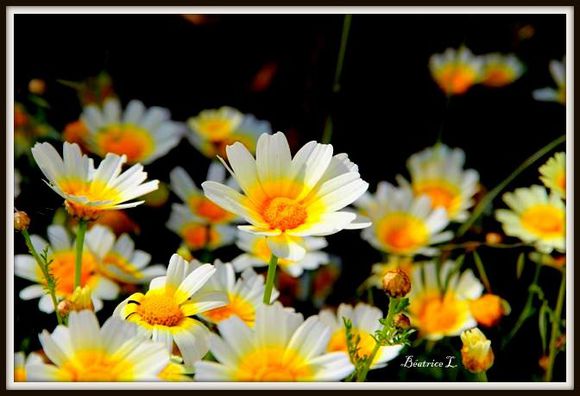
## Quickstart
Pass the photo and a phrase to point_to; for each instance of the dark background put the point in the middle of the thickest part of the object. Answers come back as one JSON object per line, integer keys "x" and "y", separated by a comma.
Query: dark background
{"x": 388, "y": 108}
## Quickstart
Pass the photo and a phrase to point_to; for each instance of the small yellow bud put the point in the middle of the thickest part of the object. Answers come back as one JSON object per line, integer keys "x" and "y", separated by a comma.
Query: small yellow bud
{"x": 396, "y": 283}
{"x": 402, "y": 321}
{"x": 493, "y": 238}
{"x": 81, "y": 299}
{"x": 476, "y": 353}
{"x": 37, "y": 86}
{"x": 21, "y": 220}
{"x": 544, "y": 362}
{"x": 64, "y": 308}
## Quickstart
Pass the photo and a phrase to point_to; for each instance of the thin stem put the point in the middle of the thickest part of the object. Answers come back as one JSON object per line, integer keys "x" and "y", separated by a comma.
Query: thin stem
{"x": 472, "y": 245}
{"x": 270, "y": 279}
{"x": 79, "y": 251}
{"x": 44, "y": 270}
{"x": 555, "y": 333}
{"x": 490, "y": 196}
{"x": 481, "y": 377}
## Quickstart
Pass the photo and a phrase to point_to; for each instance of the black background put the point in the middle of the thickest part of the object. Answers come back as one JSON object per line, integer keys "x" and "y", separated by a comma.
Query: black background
{"x": 388, "y": 108}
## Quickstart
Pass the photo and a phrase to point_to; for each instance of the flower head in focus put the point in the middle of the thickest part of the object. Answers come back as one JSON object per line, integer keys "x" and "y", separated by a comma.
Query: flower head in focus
{"x": 500, "y": 70}
{"x": 476, "y": 353}
{"x": 553, "y": 174}
{"x": 285, "y": 197}
{"x": 455, "y": 71}
{"x": 558, "y": 71}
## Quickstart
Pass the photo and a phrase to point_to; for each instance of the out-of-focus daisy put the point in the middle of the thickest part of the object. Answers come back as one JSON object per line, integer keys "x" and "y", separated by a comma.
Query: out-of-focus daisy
{"x": 558, "y": 71}
{"x": 438, "y": 172}
{"x": 394, "y": 262}
{"x": 213, "y": 130}
{"x": 84, "y": 352}
{"x": 76, "y": 132}
{"x": 141, "y": 134}
{"x": 165, "y": 312}
{"x": 365, "y": 321}
{"x": 293, "y": 350}
{"x": 175, "y": 371}
{"x": 27, "y": 130}
{"x": 204, "y": 211}
{"x": 244, "y": 295}
{"x": 553, "y": 174}
{"x": 285, "y": 197}
{"x": 117, "y": 258}
{"x": 500, "y": 70}
{"x": 455, "y": 71}
{"x": 257, "y": 254}
{"x": 488, "y": 309}
{"x": 535, "y": 217}
{"x": 88, "y": 191}
{"x": 20, "y": 363}
{"x": 197, "y": 235}
{"x": 61, "y": 253}
{"x": 118, "y": 221}
{"x": 437, "y": 313}
{"x": 403, "y": 224}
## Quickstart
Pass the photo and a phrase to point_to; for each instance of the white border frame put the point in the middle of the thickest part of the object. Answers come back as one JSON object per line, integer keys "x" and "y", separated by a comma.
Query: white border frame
{"x": 11, "y": 11}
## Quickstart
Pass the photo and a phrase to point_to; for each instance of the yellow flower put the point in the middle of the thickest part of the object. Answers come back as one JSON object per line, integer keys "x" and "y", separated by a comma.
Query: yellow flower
{"x": 20, "y": 363}
{"x": 84, "y": 352}
{"x": 141, "y": 134}
{"x": 403, "y": 225}
{"x": 213, "y": 130}
{"x": 435, "y": 313}
{"x": 293, "y": 350}
{"x": 165, "y": 312}
{"x": 535, "y": 218}
{"x": 455, "y": 71}
{"x": 88, "y": 191}
{"x": 285, "y": 197}
{"x": 500, "y": 70}
{"x": 553, "y": 174}
{"x": 558, "y": 71}
{"x": 438, "y": 172}
{"x": 365, "y": 321}
{"x": 476, "y": 353}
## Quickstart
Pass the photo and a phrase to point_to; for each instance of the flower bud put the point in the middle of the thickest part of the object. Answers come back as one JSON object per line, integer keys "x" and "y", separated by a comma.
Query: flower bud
{"x": 64, "y": 308}
{"x": 21, "y": 220}
{"x": 402, "y": 321}
{"x": 396, "y": 283}
{"x": 81, "y": 299}
{"x": 476, "y": 353}
{"x": 493, "y": 238}
{"x": 37, "y": 86}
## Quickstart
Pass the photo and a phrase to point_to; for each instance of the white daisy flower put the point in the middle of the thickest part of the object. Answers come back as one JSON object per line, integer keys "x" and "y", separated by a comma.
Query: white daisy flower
{"x": 88, "y": 191}
{"x": 535, "y": 217}
{"x": 20, "y": 363}
{"x": 165, "y": 312}
{"x": 403, "y": 224}
{"x": 61, "y": 254}
{"x": 438, "y": 172}
{"x": 82, "y": 351}
{"x": 558, "y": 71}
{"x": 455, "y": 71}
{"x": 365, "y": 322}
{"x": 500, "y": 70}
{"x": 257, "y": 254}
{"x": 553, "y": 174}
{"x": 285, "y": 197}
{"x": 141, "y": 134}
{"x": 281, "y": 346}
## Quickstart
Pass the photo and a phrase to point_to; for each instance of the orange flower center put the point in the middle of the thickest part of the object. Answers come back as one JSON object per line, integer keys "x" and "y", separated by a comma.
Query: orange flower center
{"x": 442, "y": 195}
{"x": 236, "y": 306}
{"x": 135, "y": 142}
{"x": 160, "y": 309}
{"x": 439, "y": 315}
{"x": 196, "y": 236}
{"x": 62, "y": 268}
{"x": 402, "y": 233}
{"x": 498, "y": 77}
{"x": 207, "y": 209}
{"x": 561, "y": 180}
{"x": 456, "y": 78}
{"x": 284, "y": 214}
{"x": 544, "y": 221}
{"x": 487, "y": 310}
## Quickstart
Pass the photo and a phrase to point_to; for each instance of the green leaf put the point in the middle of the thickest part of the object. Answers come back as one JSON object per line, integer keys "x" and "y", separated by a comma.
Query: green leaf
{"x": 481, "y": 269}
{"x": 543, "y": 324}
{"x": 520, "y": 265}
{"x": 456, "y": 268}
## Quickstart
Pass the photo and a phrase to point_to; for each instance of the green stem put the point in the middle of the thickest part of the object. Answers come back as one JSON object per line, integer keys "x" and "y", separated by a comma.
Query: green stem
{"x": 481, "y": 377}
{"x": 270, "y": 279}
{"x": 555, "y": 332}
{"x": 79, "y": 251}
{"x": 490, "y": 196}
{"x": 44, "y": 270}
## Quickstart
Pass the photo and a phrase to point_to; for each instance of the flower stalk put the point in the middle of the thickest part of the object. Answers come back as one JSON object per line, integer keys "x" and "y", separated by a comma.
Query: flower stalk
{"x": 270, "y": 278}
{"x": 555, "y": 332}
{"x": 79, "y": 251}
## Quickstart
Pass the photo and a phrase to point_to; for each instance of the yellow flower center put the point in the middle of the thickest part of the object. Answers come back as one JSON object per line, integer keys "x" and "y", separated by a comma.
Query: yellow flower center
{"x": 215, "y": 129}
{"x": 284, "y": 214}
{"x": 456, "y": 78}
{"x": 439, "y": 315}
{"x": 208, "y": 210}
{"x": 96, "y": 366}
{"x": 62, "y": 268}
{"x": 442, "y": 194}
{"x": 116, "y": 260}
{"x": 160, "y": 309}
{"x": 338, "y": 342}
{"x": 135, "y": 142}
{"x": 19, "y": 374}
{"x": 402, "y": 233}
{"x": 544, "y": 221}
{"x": 487, "y": 310}
{"x": 272, "y": 363}
{"x": 237, "y": 306}
{"x": 561, "y": 180}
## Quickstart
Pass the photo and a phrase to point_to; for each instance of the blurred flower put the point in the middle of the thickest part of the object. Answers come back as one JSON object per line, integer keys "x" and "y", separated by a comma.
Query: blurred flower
{"x": 143, "y": 135}
{"x": 175, "y": 371}
{"x": 118, "y": 260}
{"x": 61, "y": 255}
{"x": 493, "y": 238}
{"x": 118, "y": 221}
{"x": 396, "y": 284}
{"x": 76, "y": 132}
{"x": 257, "y": 254}
{"x": 476, "y": 353}
{"x": 165, "y": 311}
{"x": 293, "y": 350}
{"x": 197, "y": 235}
{"x": 284, "y": 198}
{"x": 323, "y": 280}
{"x": 88, "y": 191}
{"x": 365, "y": 321}
{"x": 488, "y": 309}
{"x": 37, "y": 86}
{"x": 244, "y": 295}
{"x": 455, "y": 71}
{"x": 437, "y": 313}
{"x": 84, "y": 352}
{"x": 558, "y": 71}
{"x": 379, "y": 270}
{"x": 553, "y": 174}
{"x": 535, "y": 217}
{"x": 27, "y": 130}
{"x": 20, "y": 363}
{"x": 213, "y": 130}
{"x": 93, "y": 90}
{"x": 438, "y": 172}
{"x": 403, "y": 224}
{"x": 157, "y": 198}
{"x": 500, "y": 70}
{"x": 263, "y": 78}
